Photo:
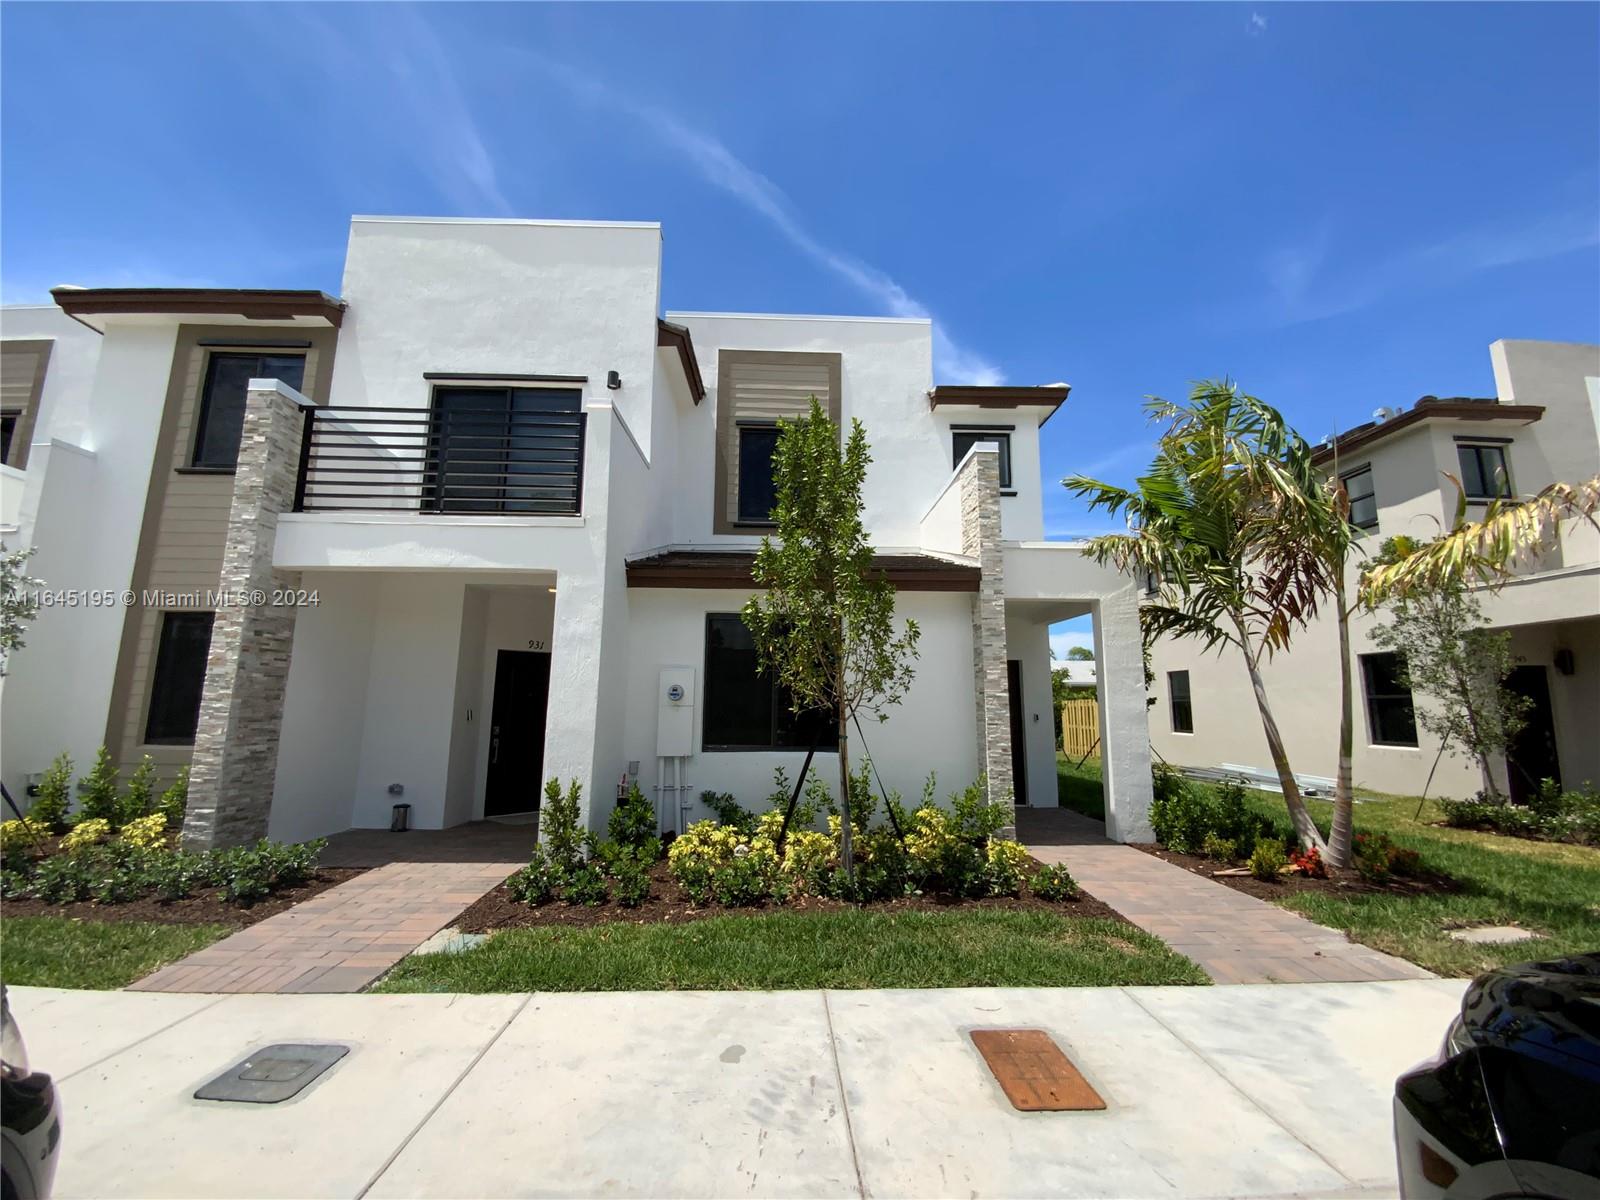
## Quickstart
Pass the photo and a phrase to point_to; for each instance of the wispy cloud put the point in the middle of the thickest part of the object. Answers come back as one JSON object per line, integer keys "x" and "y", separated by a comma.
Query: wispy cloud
{"x": 1256, "y": 25}
{"x": 418, "y": 103}
{"x": 1130, "y": 454}
{"x": 1309, "y": 280}
{"x": 720, "y": 167}
{"x": 33, "y": 290}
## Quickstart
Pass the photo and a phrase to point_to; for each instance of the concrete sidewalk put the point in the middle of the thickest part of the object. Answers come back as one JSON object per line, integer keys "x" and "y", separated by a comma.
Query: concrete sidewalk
{"x": 1211, "y": 1092}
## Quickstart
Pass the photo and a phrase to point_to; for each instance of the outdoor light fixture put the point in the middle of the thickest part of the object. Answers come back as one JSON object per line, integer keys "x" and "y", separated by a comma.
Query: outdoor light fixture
{"x": 613, "y": 380}
{"x": 1564, "y": 661}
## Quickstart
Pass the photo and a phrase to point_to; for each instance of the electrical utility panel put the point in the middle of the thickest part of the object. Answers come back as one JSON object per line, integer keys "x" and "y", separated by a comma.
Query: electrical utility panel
{"x": 675, "y": 712}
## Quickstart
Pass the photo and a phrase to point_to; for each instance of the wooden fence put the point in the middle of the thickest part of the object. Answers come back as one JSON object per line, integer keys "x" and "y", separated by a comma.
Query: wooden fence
{"x": 1080, "y": 728}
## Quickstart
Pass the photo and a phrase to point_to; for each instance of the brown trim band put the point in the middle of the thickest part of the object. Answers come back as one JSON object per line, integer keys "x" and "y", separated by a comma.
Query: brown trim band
{"x": 973, "y": 396}
{"x": 1423, "y": 410}
{"x": 677, "y": 337}
{"x": 252, "y": 304}
{"x": 732, "y": 569}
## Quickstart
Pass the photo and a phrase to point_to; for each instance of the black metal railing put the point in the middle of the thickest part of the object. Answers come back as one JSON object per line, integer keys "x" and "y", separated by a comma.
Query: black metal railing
{"x": 454, "y": 460}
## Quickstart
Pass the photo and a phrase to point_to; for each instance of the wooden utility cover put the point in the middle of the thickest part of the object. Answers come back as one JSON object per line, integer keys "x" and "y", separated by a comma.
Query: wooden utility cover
{"x": 1034, "y": 1073}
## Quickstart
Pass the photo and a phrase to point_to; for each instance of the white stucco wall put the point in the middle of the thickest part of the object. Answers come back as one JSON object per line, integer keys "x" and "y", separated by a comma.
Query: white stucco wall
{"x": 934, "y": 729}
{"x": 64, "y": 403}
{"x": 325, "y": 705}
{"x": 82, "y": 507}
{"x": 1028, "y": 641}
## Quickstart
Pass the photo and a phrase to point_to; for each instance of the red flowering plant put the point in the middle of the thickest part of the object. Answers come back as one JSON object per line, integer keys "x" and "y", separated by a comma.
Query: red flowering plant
{"x": 1309, "y": 863}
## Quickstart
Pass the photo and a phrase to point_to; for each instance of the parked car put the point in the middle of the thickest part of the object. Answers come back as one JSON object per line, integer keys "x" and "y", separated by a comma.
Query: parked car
{"x": 1510, "y": 1106}
{"x": 30, "y": 1118}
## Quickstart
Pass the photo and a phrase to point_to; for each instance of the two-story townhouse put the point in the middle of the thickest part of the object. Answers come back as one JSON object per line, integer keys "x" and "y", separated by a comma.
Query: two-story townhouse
{"x": 1401, "y": 470}
{"x": 487, "y": 519}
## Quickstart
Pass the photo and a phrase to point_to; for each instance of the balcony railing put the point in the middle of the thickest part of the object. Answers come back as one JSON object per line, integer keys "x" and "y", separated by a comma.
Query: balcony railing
{"x": 456, "y": 460}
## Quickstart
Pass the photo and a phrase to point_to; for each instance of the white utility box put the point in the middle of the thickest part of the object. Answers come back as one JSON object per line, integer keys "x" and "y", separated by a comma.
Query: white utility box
{"x": 675, "y": 713}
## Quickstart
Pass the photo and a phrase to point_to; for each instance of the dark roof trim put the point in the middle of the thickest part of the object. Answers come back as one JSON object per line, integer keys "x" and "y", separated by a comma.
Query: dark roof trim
{"x": 972, "y": 396}
{"x": 273, "y": 305}
{"x": 676, "y": 336}
{"x": 1424, "y": 410}
{"x": 731, "y": 569}
{"x": 496, "y": 377}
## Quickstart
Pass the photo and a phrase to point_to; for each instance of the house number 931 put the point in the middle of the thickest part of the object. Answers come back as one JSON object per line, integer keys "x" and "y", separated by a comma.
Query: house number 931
{"x": 535, "y": 643}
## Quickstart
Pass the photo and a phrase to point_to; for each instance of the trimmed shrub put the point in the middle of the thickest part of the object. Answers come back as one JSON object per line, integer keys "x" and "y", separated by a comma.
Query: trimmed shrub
{"x": 139, "y": 799}
{"x": 19, "y": 835}
{"x": 1179, "y": 814}
{"x": 559, "y": 825}
{"x": 1309, "y": 863}
{"x": 633, "y": 821}
{"x": 174, "y": 802}
{"x": 729, "y": 811}
{"x": 1267, "y": 860}
{"x": 1053, "y": 882}
{"x": 537, "y": 882}
{"x": 146, "y": 832}
{"x": 586, "y": 885}
{"x": 630, "y": 885}
{"x": 54, "y": 801}
{"x": 86, "y": 833}
{"x": 100, "y": 790}
{"x": 1008, "y": 863}
{"x": 1223, "y": 849}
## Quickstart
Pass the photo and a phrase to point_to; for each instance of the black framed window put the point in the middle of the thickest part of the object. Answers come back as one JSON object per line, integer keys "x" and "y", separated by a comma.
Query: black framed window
{"x": 1363, "y": 498}
{"x": 758, "y": 490}
{"x": 745, "y": 708}
{"x": 1178, "y": 697}
{"x": 8, "y": 431}
{"x": 1484, "y": 472}
{"x": 505, "y": 450}
{"x": 221, "y": 420}
{"x": 180, "y": 678}
{"x": 1391, "y": 718}
{"x": 965, "y": 437}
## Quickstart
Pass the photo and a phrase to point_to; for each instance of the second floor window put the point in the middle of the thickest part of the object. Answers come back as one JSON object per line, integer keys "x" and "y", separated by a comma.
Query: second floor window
{"x": 758, "y": 491}
{"x": 221, "y": 418}
{"x": 1391, "y": 717}
{"x": 1363, "y": 499}
{"x": 965, "y": 437}
{"x": 1182, "y": 707}
{"x": 1484, "y": 472}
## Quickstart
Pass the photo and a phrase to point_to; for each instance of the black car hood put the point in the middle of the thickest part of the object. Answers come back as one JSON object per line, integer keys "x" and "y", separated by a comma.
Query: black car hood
{"x": 1543, "y": 1008}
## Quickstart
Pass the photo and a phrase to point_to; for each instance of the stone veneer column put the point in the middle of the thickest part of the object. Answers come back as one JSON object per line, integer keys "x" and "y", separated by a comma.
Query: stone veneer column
{"x": 236, "y": 744}
{"x": 979, "y": 481}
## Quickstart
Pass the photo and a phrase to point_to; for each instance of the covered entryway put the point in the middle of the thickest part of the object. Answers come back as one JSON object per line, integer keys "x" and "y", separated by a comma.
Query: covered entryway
{"x": 516, "y": 732}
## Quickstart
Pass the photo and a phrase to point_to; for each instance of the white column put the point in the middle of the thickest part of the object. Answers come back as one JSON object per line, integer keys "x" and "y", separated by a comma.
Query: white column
{"x": 1124, "y": 724}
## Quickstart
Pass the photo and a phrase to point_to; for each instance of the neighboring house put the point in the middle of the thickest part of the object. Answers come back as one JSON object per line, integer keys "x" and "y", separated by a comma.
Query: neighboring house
{"x": 1543, "y": 428}
{"x": 1076, "y": 672}
{"x": 503, "y": 516}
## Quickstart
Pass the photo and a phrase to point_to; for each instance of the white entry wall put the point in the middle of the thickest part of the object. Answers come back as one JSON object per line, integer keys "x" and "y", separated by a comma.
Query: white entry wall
{"x": 1028, "y": 643}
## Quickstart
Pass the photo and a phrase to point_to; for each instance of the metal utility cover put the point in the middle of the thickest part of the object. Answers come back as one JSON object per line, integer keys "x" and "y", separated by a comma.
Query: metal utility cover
{"x": 1034, "y": 1074}
{"x": 273, "y": 1074}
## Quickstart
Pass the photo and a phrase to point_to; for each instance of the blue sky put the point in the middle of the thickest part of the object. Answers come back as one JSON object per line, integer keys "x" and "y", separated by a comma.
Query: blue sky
{"x": 1339, "y": 206}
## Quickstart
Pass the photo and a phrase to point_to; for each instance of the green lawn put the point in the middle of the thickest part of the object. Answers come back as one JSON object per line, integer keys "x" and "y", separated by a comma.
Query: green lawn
{"x": 68, "y": 953}
{"x": 851, "y": 948}
{"x": 1078, "y": 788}
{"x": 1544, "y": 886}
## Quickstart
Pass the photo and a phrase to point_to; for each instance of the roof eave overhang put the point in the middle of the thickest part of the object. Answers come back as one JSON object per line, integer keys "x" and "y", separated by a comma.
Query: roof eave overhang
{"x": 98, "y": 307}
{"x": 976, "y": 396}
{"x": 676, "y": 337}
{"x": 732, "y": 570}
{"x": 1517, "y": 414}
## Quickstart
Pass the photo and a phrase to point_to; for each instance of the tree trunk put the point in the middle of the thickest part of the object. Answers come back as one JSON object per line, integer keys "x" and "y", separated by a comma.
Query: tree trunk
{"x": 846, "y": 857}
{"x": 1304, "y": 827}
{"x": 1342, "y": 833}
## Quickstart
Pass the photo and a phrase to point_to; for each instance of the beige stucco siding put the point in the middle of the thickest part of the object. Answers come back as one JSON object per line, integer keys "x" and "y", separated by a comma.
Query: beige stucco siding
{"x": 186, "y": 521}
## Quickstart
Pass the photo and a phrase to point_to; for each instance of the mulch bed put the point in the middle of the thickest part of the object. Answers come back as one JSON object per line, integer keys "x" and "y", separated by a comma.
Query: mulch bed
{"x": 1339, "y": 882}
{"x": 669, "y": 905}
{"x": 205, "y": 907}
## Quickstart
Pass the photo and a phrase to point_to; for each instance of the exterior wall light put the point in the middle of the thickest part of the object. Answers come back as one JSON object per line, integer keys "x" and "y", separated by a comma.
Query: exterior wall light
{"x": 613, "y": 380}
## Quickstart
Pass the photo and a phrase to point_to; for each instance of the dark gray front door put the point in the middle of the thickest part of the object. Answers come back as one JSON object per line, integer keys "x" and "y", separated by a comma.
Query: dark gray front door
{"x": 516, "y": 732}
{"x": 1532, "y": 758}
{"x": 1019, "y": 732}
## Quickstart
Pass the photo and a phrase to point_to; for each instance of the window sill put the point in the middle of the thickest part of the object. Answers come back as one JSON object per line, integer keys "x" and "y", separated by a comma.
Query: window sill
{"x": 1392, "y": 746}
{"x": 1004, "y": 492}
{"x": 766, "y": 749}
{"x": 206, "y": 470}
{"x": 755, "y": 524}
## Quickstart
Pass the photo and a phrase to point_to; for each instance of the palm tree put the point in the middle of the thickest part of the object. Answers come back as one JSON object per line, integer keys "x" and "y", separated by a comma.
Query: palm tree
{"x": 1234, "y": 523}
{"x": 1484, "y": 551}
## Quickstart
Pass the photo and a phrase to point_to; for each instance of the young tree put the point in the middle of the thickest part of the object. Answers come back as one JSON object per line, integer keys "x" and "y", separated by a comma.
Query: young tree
{"x": 824, "y": 626}
{"x": 1222, "y": 518}
{"x": 1455, "y": 660}
{"x": 19, "y": 602}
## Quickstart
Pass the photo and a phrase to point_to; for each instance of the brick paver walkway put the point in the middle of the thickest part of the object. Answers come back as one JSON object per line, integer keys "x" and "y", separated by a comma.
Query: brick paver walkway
{"x": 1233, "y": 936}
{"x": 340, "y": 940}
